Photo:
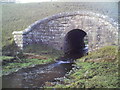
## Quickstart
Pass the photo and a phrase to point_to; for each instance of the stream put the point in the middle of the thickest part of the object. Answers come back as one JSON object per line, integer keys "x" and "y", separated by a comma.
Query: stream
{"x": 35, "y": 77}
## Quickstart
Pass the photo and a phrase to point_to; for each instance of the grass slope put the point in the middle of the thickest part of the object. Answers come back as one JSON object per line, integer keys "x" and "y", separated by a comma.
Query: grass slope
{"x": 33, "y": 55}
{"x": 97, "y": 70}
{"x": 17, "y": 17}
{"x": 22, "y": 63}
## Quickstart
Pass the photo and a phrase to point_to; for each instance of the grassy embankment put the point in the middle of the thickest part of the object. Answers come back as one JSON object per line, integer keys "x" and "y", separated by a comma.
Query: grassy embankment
{"x": 14, "y": 59}
{"x": 33, "y": 55}
{"x": 99, "y": 69}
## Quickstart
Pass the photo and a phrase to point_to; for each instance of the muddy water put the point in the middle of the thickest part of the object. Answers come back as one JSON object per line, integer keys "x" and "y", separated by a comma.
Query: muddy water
{"x": 36, "y": 77}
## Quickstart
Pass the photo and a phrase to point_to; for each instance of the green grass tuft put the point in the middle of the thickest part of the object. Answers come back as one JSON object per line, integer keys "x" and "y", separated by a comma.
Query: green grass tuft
{"x": 6, "y": 58}
{"x": 106, "y": 53}
{"x": 12, "y": 67}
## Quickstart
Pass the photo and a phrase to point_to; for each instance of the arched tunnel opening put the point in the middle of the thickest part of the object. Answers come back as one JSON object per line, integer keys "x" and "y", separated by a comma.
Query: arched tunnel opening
{"x": 74, "y": 45}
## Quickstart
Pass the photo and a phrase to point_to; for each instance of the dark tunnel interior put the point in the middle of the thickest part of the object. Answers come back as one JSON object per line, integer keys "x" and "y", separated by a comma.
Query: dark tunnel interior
{"x": 74, "y": 43}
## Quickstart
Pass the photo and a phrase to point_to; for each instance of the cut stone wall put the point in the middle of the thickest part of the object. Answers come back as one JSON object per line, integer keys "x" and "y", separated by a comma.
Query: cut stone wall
{"x": 101, "y": 30}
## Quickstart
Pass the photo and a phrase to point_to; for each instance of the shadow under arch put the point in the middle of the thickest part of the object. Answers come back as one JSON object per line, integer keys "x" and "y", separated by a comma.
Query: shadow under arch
{"x": 74, "y": 43}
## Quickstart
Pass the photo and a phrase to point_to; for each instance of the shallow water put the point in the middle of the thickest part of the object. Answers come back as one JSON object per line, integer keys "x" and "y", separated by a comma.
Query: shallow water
{"x": 35, "y": 77}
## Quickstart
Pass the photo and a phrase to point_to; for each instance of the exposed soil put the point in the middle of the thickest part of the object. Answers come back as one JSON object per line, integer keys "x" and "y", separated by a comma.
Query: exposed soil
{"x": 33, "y": 56}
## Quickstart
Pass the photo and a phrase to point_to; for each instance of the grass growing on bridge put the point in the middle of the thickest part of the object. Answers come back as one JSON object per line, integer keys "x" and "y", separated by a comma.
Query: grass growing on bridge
{"x": 97, "y": 70}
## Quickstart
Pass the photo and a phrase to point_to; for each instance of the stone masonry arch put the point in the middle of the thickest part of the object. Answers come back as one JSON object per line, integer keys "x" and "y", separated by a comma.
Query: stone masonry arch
{"x": 101, "y": 30}
{"x": 74, "y": 43}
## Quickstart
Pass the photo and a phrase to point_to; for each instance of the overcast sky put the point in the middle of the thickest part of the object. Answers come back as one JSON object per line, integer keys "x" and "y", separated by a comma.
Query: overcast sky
{"x": 27, "y": 1}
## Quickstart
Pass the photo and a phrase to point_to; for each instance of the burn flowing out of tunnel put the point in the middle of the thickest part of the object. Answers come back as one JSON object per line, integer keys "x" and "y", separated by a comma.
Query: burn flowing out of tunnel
{"x": 74, "y": 43}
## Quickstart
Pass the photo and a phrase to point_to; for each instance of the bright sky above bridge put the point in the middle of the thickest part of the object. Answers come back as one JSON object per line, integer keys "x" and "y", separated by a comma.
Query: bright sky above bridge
{"x": 28, "y": 1}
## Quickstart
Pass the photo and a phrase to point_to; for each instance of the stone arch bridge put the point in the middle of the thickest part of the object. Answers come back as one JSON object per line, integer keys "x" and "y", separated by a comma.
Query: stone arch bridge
{"x": 100, "y": 30}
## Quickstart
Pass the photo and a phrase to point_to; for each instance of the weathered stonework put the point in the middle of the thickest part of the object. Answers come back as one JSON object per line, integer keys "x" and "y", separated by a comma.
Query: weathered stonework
{"x": 101, "y": 30}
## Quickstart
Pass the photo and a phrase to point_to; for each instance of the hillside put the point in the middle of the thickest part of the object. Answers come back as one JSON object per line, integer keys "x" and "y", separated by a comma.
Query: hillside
{"x": 17, "y": 17}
